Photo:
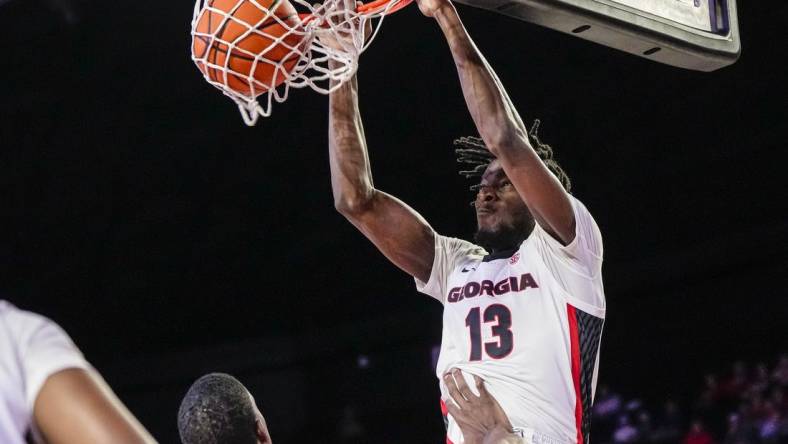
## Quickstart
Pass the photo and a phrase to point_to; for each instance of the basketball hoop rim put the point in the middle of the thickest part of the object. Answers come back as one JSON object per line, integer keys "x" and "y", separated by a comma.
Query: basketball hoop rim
{"x": 369, "y": 8}
{"x": 375, "y": 5}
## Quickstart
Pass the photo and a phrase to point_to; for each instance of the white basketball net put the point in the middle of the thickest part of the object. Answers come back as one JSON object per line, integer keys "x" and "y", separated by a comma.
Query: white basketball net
{"x": 319, "y": 66}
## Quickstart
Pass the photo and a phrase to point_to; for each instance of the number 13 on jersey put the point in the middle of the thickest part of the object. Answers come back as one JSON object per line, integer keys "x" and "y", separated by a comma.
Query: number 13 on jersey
{"x": 499, "y": 319}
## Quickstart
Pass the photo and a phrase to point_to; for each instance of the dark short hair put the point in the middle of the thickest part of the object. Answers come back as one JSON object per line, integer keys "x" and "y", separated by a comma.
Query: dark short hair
{"x": 473, "y": 152}
{"x": 217, "y": 409}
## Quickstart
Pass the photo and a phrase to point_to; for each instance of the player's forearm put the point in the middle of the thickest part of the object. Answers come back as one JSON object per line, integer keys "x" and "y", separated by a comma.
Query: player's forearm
{"x": 351, "y": 177}
{"x": 498, "y": 435}
{"x": 496, "y": 118}
{"x": 501, "y": 435}
{"x": 503, "y": 131}
{"x": 77, "y": 406}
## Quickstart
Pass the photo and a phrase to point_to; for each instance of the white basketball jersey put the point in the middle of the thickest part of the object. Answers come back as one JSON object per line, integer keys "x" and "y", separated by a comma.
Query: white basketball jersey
{"x": 528, "y": 322}
{"x": 32, "y": 348}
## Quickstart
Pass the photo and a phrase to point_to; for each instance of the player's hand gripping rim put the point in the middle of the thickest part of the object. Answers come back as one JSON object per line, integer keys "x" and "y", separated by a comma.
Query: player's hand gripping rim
{"x": 341, "y": 40}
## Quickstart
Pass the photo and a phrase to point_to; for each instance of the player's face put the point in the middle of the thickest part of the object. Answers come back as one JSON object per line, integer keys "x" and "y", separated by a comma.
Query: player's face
{"x": 503, "y": 218}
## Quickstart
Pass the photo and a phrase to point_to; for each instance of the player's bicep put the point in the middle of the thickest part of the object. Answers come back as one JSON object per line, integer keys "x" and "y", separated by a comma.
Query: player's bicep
{"x": 77, "y": 406}
{"x": 399, "y": 232}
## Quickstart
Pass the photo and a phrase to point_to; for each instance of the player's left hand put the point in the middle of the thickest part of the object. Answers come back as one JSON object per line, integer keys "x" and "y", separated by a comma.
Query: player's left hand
{"x": 430, "y": 7}
{"x": 479, "y": 417}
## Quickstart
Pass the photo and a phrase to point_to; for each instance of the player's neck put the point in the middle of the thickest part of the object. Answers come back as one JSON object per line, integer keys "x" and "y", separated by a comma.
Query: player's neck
{"x": 502, "y": 241}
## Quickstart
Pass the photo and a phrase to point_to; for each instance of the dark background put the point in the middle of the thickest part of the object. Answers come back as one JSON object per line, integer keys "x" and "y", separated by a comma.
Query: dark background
{"x": 170, "y": 240}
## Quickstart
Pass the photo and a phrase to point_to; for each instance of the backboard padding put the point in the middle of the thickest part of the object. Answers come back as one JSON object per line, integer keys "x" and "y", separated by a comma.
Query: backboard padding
{"x": 638, "y": 32}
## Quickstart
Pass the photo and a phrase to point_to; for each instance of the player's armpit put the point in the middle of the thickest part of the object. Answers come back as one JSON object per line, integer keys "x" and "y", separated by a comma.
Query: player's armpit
{"x": 77, "y": 406}
{"x": 398, "y": 231}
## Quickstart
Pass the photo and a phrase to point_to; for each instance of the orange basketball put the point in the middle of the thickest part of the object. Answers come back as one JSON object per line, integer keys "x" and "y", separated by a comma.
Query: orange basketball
{"x": 241, "y": 63}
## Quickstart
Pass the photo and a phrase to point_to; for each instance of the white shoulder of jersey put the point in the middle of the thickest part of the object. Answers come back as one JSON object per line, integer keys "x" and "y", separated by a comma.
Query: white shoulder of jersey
{"x": 450, "y": 253}
{"x": 577, "y": 266}
{"x": 32, "y": 348}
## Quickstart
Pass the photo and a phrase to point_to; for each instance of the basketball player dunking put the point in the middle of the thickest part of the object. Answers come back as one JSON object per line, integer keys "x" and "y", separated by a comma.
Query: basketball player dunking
{"x": 523, "y": 305}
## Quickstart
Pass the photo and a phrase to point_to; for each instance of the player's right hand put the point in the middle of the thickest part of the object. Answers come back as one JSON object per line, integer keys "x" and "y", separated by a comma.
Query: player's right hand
{"x": 339, "y": 40}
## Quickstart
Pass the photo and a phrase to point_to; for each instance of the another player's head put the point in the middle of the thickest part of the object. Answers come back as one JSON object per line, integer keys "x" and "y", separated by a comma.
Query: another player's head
{"x": 218, "y": 409}
{"x": 503, "y": 218}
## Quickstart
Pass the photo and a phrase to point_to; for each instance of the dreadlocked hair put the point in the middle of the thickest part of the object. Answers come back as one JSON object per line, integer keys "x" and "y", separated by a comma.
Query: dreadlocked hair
{"x": 473, "y": 152}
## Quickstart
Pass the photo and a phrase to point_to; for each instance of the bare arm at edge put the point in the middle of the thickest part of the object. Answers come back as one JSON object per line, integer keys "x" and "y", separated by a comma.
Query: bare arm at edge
{"x": 76, "y": 406}
{"x": 398, "y": 231}
{"x": 501, "y": 127}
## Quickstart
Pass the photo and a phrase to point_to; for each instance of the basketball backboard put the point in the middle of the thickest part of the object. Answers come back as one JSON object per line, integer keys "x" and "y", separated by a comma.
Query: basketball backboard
{"x": 700, "y": 35}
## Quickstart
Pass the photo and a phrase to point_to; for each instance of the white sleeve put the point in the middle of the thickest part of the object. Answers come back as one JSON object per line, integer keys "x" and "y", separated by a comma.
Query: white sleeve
{"x": 578, "y": 266}
{"x": 450, "y": 252}
{"x": 44, "y": 349}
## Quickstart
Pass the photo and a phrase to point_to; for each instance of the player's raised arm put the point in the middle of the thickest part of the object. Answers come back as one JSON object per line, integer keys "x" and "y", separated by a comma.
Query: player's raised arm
{"x": 53, "y": 387}
{"x": 398, "y": 231}
{"x": 77, "y": 406}
{"x": 501, "y": 128}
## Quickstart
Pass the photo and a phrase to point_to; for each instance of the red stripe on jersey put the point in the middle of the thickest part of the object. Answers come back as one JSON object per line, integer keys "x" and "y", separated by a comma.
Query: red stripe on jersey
{"x": 445, "y": 412}
{"x": 574, "y": 338}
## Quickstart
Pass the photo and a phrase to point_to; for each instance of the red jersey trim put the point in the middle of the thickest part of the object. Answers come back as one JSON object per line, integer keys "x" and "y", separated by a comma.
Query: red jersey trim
{"x": 574, "y": 337}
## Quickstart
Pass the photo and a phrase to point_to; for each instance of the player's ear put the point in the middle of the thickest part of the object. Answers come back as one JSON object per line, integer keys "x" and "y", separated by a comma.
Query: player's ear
{"x": 262, "y": 432}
